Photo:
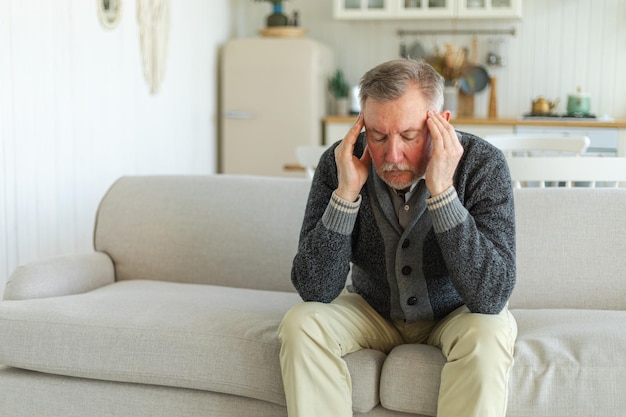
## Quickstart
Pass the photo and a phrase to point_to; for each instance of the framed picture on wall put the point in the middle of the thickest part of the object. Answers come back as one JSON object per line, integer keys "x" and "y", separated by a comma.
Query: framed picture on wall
{"x": 109, "y": 12}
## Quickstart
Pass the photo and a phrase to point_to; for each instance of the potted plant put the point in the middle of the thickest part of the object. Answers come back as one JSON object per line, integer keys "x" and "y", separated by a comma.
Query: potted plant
{"x": 340, "y": 89}
{"x": 277, "y": 18}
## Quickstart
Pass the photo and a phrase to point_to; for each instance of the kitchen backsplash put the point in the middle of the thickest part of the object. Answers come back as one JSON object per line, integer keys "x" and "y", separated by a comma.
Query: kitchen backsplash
{"x": 559, "y": 45}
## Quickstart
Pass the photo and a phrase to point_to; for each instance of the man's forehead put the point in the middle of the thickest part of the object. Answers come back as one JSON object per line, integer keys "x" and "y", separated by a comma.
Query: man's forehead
{"x": 401, "y": 124}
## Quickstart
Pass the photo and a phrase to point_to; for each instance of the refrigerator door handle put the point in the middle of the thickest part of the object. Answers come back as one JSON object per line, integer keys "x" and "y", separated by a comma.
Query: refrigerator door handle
{"x": 239, "y": 115}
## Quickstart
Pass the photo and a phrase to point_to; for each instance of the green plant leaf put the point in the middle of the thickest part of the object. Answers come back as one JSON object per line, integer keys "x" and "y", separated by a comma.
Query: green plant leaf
{"x": 338, "y": 85}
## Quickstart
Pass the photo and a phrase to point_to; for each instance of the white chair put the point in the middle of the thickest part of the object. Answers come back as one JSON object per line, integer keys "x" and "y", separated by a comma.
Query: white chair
{"x": 308, "y": 157}
{"x": 585, "y": 171}
{"x": 539, "y": 145}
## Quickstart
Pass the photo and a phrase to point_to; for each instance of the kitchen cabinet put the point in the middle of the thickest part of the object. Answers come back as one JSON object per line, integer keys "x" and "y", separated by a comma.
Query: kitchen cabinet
{"x": 363, "y": 9}
{"x": 419, "y": 9}
{"x": 489, "y": 9}
{"x": 427, "y": 9}
{"x": 604, "y": 140}
{"x": 336, "y": 127}
{"x": 607, "y": 138}
{"x": 485, "y": 130}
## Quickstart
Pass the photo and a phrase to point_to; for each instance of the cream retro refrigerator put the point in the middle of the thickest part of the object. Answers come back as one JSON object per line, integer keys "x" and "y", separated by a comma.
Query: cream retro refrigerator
{"x": 273, "y": 98}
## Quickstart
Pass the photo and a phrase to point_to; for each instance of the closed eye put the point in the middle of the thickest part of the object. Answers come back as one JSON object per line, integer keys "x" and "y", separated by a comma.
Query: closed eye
{"x": 411, "y": 134}
{"x": 376, "y": 136}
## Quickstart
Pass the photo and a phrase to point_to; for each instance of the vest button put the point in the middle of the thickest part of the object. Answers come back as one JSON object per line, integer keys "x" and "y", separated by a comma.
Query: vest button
{"x": 406, "y": 243}
{"x": 412, "y": 301}
{"x": 406, "y": 270}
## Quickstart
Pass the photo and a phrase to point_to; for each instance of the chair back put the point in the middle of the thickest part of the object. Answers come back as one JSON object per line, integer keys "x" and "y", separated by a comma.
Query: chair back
{"x": 584, "y": 171}
{"x": 308, "y": 157}
{"x": 539, "y": 145}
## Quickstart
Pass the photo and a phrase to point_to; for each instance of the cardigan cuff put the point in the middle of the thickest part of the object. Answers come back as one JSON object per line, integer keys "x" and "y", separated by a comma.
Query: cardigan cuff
{"x": 446, "y": 210}
{"x": 340, "y": 215}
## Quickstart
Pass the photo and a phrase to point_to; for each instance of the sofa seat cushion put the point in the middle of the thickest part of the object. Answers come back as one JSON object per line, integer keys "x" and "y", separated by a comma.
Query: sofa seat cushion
{"x": 569, "y": 363}
{"x": 563, "y": 359}
{"x": 197, "y": 336}
{"x": 410, "y": 379}
{"x": 185, "y": 335}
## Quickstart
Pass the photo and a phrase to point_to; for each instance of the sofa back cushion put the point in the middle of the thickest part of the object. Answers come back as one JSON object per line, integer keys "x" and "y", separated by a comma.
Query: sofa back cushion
{"x": 238, "y": 231}
{"x": 242, "y": 231}
{"x": 571, "y": 249}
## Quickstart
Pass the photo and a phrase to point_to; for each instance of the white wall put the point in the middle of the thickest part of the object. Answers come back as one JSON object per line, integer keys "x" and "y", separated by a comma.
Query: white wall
{"x": 76, "y": 114}
{"x": 560, "y": 44}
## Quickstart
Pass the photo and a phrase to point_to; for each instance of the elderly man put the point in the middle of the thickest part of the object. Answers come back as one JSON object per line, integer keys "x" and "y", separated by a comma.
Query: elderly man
{"x": 424, "y": 216}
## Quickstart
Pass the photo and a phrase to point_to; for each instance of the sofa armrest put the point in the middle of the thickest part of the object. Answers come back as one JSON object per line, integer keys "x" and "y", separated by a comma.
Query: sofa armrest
{"x": 60, "y": 275}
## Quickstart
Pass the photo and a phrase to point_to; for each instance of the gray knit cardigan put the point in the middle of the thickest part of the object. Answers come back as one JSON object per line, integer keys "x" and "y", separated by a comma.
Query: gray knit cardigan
{"x": 459, "y": 249}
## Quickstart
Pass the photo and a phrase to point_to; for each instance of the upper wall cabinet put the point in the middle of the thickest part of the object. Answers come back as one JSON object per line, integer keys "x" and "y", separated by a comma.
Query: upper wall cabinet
{"x": 489, "y": 9}
{"x": 364, "y": 9}
{"x": 426, "y": 9}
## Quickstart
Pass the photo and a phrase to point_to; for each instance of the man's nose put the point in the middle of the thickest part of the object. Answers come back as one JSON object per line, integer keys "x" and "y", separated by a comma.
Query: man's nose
{"x": 394, "y": 152}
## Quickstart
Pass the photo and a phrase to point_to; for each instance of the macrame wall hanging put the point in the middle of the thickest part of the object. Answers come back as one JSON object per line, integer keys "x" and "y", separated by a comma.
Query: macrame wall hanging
{"x": 153, "y": 17}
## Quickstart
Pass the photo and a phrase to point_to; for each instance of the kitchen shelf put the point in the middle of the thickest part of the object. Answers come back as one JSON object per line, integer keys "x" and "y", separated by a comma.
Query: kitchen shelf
{"x": 418, "y": 32}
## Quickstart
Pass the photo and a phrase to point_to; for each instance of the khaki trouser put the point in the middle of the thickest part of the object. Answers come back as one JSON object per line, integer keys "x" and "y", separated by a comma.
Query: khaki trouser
{"x": 478, "y": 349}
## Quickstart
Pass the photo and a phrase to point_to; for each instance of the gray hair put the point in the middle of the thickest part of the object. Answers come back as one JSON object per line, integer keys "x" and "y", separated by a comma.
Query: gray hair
{"x": 389, "y": 80}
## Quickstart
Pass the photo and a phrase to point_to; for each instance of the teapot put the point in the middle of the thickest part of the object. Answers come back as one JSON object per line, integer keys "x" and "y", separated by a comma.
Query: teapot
{"x": 578, "y": 104}
{"x": 543, "y": 106}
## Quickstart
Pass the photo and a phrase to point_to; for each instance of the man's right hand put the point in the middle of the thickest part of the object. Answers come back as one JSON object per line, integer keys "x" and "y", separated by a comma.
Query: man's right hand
{"x": 351, "y": 171}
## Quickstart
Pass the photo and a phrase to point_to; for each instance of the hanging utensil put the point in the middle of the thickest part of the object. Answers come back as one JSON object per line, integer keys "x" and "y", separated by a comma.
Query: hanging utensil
{"x": 475, "y": 80}
{"x": 416, "y": 51}
{"x": 403, "y": 50}
{"x": 494, "y": 56}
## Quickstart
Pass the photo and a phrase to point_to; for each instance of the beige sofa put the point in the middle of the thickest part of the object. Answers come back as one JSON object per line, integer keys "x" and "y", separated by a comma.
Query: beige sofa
{"x": 175, "y": 312}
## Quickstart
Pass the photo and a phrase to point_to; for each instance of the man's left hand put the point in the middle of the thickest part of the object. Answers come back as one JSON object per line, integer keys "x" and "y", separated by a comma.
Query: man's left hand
{"x": 446, "y": 153}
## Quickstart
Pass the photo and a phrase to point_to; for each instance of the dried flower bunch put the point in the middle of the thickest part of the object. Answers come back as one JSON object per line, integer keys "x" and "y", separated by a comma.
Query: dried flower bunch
{"x": 450, "y": 63}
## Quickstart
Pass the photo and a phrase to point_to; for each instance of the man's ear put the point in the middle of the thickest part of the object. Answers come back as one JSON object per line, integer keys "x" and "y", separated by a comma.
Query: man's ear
{"x": 446, "y": 114}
